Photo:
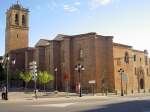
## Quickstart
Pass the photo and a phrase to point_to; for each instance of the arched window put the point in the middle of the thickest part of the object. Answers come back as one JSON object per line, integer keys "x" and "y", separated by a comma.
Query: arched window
{"x": 134, "y": 57}
{"x": 141, "y": 84}
{"x": 126, "y": 57}
{"x": 16, "y": 19}
{"x": 146, "y": 61}
{"x": 23, "y": 20}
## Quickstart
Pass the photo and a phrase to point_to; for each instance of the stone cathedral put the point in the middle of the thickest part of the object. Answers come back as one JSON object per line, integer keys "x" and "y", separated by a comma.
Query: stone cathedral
{"x": 100, "y": 56}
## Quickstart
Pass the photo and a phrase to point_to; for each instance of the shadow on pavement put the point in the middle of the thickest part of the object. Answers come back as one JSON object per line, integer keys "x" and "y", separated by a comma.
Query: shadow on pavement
{"x": 131, "y": 106}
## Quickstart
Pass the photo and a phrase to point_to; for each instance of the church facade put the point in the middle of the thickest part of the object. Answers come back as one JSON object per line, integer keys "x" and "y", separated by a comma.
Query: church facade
{"x": 94, "y": 52}
{"x": 99, "y": 55}
{"x": 135, "y": 64}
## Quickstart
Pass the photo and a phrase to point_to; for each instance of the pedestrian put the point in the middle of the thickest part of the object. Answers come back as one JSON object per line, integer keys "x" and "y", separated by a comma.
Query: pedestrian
{"x": 35, "y": 93}
{"x": 3, "y": 93}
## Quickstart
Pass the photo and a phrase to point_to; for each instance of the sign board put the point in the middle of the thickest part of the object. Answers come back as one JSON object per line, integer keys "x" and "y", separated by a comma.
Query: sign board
{"x": 32, "y": 63}
{"x": 33, "y": 71}
{"x": 92, "y": 82}
{"x": 33, "y": 67}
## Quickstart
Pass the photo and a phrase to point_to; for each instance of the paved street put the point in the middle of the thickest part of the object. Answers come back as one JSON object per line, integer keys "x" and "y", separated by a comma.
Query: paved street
{"x": 77, "y": 104}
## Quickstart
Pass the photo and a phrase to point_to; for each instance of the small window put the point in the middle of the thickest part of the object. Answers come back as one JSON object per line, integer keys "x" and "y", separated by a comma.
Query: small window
{"x": 134, "y": 57}
{"x": 140, "y": 59}
{"x": 147, "y": 72}
{"x": 81, "y": 54}
{"x": 146, "y": 61}
{"x": 126, "y": 58}
{"x": 23, "y": 20}
{"x": 16, "y": 19}
{"x": 17, "y": 36}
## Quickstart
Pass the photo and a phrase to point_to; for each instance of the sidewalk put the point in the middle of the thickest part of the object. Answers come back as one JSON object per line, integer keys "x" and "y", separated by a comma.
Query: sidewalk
{"x": 43, "y": 96}
{"x": 29, "y": 96}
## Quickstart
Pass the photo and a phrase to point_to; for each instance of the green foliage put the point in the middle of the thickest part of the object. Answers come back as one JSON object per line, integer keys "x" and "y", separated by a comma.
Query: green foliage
{"x": 26, "y": 76}
{"x": 44, "y": 77}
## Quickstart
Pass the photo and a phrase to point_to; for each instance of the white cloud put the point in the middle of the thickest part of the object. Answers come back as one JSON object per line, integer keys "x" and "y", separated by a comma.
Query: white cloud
{"x": 69, "y": 8}
{"x": 97, "y": 3}
{"x": 77, "y": 3}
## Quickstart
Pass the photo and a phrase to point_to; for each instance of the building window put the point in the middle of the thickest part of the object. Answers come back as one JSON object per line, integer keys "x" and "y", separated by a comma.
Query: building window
{"x": 140, "y": 59}
{"x": 146, "y": 61}
{"x": 147, "y": 71}
{"x": 134, "y": 57}
{"x": 23, "y": 20}
{"x": 81, "y": 54}
{"x": 126, "y": 58}
{"x": 16, "y": 19}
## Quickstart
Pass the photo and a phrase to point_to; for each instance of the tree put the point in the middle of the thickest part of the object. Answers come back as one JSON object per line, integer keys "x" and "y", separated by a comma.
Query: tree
{"x": 26, "y": 77}
{"x": 44, "y": 78}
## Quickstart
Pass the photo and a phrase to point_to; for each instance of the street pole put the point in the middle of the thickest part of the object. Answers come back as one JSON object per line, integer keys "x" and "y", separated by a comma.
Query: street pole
{"x": 93, "y": 89}
{"x": 33, "y": 70}
{"x": 6, "y": 63}
{"x": 7, "y": 80}
{"x": 56, "y": 78}
{"x": 80, "y": 92}
{"x": 79, "y": 68}
{"x": 126, "y": 88}
{"x": 121, "y": 85}
{"x": 121, "y": 74}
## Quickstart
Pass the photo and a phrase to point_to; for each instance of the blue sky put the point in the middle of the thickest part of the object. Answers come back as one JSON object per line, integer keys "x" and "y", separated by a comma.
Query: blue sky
{"x": 127, "y": 20}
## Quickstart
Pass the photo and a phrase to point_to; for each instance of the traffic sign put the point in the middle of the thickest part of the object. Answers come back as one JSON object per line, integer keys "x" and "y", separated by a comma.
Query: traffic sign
{"x": 92, "y": 82}
{"x": 32, "y": 63}
{"x": 33, "y": 67}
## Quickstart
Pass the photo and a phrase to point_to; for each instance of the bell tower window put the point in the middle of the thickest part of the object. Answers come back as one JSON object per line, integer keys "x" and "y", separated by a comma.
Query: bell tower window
{"x": 23, "y": 20}
{"x": 16, "y": 19}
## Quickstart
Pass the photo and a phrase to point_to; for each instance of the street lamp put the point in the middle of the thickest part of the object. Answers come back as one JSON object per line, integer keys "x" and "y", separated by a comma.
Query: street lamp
{"x": 6, "y": 62}
{"x": 33, "y": 70}
{"x": 56, "y": 70}
{"x": 79, "y": 68}
{"x": 121, "y": 71}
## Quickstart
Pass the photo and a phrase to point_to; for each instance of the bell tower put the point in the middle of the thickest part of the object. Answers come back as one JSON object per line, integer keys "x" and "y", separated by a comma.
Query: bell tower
{"x": 17, "y": 28}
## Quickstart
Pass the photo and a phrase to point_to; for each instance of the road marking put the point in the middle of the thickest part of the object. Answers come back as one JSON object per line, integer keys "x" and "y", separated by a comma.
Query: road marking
{"x": 54, "y": 105}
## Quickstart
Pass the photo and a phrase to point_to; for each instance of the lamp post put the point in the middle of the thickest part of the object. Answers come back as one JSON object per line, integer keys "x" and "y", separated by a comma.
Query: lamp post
{"x": 121, "y": 71}
{"x": 33, "y": 70}
{"x": 56, "y": 70}
{"x": 79, "y": 68}
{"x": 6, "y": 62}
